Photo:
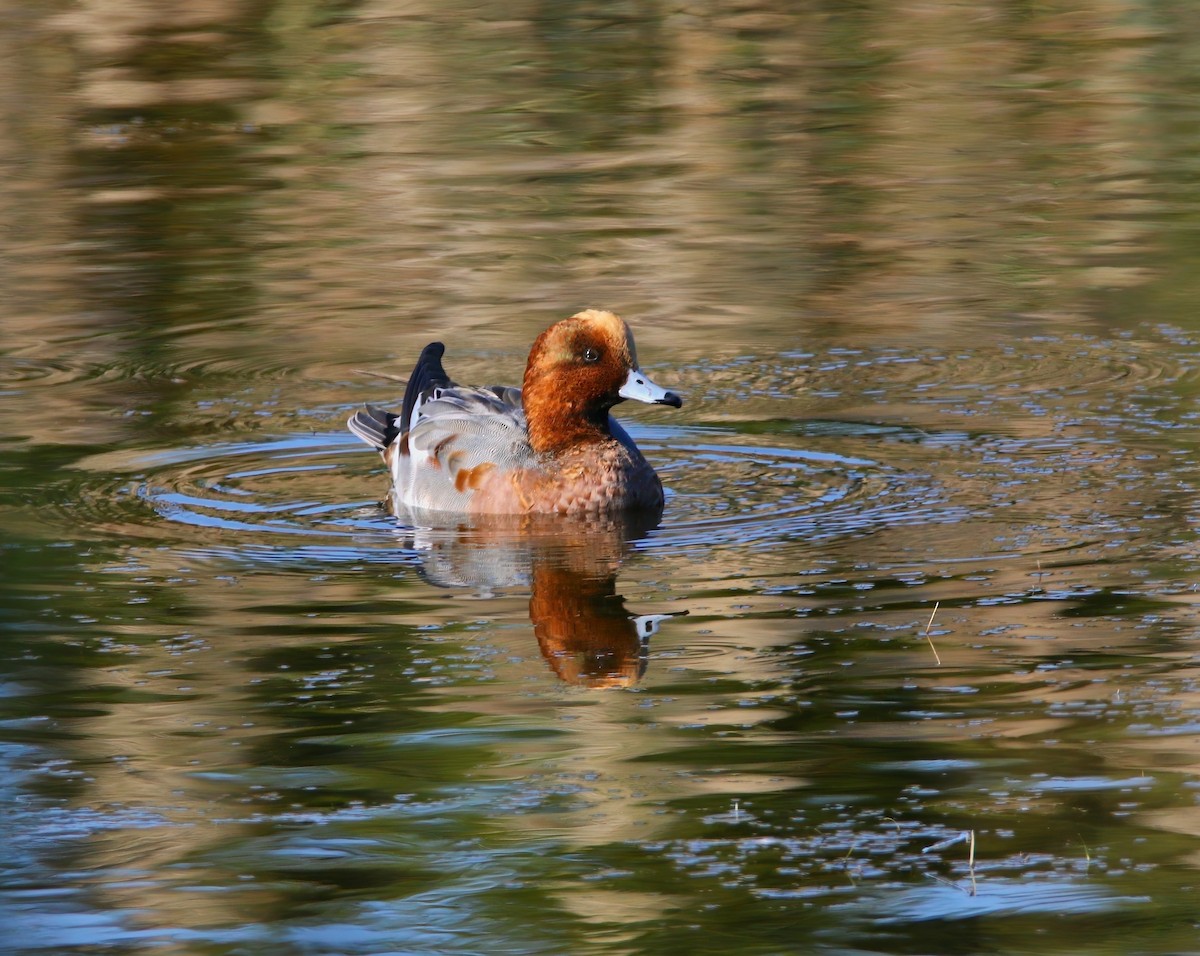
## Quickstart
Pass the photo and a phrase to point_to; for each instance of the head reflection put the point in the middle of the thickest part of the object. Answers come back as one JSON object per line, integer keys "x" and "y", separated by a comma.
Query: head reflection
{"x": 583, "y": 628}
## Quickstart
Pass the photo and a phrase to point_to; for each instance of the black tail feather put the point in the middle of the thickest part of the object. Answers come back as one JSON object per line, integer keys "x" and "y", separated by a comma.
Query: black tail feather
{"x": 380, "y": 428}
{"x": 426, "y": 374}
{"x": 374, "y": 425}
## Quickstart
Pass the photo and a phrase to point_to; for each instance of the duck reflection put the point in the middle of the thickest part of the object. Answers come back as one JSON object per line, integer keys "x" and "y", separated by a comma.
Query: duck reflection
{"x": 569, "y": 564}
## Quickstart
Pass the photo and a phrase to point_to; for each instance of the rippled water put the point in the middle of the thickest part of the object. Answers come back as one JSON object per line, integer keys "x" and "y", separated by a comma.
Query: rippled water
{"x": 907, "y": 666}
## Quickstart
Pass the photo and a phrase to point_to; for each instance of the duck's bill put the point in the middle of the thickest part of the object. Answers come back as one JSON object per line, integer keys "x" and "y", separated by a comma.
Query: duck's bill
{"x": 638, "y": 387}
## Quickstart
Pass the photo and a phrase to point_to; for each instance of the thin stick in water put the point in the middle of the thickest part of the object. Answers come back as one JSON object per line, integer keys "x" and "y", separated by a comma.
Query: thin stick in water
{"x": 971, "y": 865}
{"x": 391, "y": 378}
{"x": 937, "y": 658}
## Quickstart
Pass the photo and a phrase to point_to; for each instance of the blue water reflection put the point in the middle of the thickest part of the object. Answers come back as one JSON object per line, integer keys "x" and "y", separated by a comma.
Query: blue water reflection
{"x": 908, "y": 663}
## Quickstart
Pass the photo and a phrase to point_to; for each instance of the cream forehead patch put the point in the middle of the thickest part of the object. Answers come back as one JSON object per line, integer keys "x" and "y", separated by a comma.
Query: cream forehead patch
{"x": 612, "y": 327}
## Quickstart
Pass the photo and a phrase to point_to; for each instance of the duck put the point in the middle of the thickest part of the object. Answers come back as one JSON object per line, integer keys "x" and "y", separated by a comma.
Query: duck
{"x": 548, "y": 447}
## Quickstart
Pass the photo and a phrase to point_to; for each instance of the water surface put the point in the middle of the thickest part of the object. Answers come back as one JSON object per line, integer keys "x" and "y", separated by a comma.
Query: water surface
{"x": 907, "y": 666}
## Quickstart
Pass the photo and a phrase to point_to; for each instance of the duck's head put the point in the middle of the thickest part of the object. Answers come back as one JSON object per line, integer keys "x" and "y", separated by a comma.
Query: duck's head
{"x": 578, "y": 369}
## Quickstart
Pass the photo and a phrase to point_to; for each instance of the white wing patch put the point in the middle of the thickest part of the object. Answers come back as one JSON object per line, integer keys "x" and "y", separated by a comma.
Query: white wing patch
{"x": 459, "y": 434}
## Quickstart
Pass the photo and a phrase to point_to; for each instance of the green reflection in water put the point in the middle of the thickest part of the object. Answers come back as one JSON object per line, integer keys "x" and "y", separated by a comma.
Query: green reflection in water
{"x": 924, "y": 273}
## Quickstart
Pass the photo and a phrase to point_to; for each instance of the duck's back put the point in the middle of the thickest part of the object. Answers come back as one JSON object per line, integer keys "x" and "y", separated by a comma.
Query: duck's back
{"x": 464, "y": 440}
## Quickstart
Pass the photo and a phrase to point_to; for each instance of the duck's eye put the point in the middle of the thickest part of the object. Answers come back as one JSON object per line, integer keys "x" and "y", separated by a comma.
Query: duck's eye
{"x": 591, "y": 355}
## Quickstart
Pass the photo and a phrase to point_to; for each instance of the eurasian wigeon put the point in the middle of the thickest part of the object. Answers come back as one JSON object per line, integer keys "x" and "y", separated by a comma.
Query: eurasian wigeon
{"x": 549, "y": 447}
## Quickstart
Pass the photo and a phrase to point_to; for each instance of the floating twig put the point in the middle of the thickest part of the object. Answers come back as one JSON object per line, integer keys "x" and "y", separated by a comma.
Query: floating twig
{"x": 971, "y": 864}
{"x": 366, "y": 371}
{"x": 962, "y": 837}
{"x": 968, "y": 837}
{"x": 937, "y": 658}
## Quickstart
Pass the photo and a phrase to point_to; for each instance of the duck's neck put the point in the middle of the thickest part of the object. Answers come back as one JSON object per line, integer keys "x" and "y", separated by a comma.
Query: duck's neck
{"x": 557, "y": 424}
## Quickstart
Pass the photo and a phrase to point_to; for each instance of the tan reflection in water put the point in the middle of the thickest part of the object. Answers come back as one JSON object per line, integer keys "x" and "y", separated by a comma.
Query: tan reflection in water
{"x": 583, "y": 628}
{"x": 907, "y": 167}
